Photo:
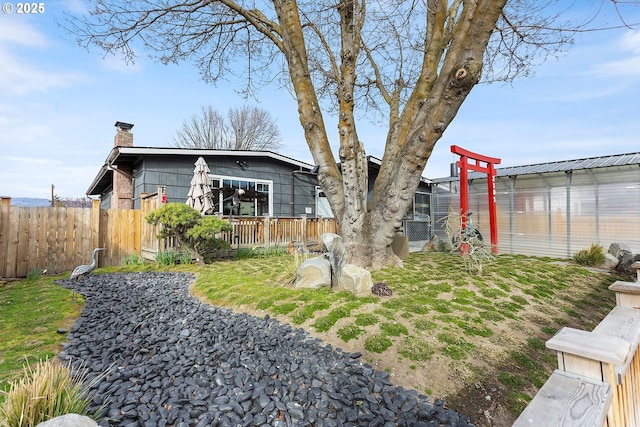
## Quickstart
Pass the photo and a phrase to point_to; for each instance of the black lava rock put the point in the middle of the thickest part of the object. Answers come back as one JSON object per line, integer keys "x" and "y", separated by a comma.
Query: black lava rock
{"x": 162, "y": 358}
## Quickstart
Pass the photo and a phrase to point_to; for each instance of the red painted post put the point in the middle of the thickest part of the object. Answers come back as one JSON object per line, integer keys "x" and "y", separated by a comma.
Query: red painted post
{"x": 464, "y": 191}
{"x": 493, "y": 214}
{"x": 464, "y": 202}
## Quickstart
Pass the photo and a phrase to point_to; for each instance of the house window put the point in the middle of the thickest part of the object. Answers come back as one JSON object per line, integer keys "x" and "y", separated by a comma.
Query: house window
{"x": 323, "y": 208}
{"x": 421, "y": 202}
{"x": 257, "y": 199}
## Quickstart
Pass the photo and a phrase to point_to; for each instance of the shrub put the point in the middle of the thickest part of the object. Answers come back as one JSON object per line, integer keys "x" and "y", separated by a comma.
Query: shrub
{"x": 349, "y": 332}
{"x": 477, "y": 252}
{"x": 210, "y": 248}
{"x": 46, "y": 391}
{"x": 188, "y": 227}
{"x": 171, "y": 257}
{"x": 415, "y": 349}
{"x": 377, "y": 343}
{"x": 134, "y": 259}
{"x": 594, "y": 256}
{"x": 289, "y": 272}
{"x": 394, "y": 329}
{"x": 34, "y": 274}
{"x": 366, "y": 319}
{"x": 245, "y": 253}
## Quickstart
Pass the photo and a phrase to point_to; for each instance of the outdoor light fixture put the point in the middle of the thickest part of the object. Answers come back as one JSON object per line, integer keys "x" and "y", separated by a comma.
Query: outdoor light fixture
{"x": 241, "y": 164}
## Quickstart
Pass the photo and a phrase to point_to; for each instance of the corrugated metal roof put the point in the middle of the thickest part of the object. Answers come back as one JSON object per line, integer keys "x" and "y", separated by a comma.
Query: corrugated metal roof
{"x": 559, "y": 166}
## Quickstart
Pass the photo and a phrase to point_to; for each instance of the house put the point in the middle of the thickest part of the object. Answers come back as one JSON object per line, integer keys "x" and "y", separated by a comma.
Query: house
{"x": 553, "y": 209}
{"x": 274, "y": 184}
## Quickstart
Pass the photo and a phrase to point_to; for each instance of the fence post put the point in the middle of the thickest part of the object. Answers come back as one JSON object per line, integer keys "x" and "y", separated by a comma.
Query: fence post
{"x": 5, "y": 205}
{"x": 303, "y": 218}
{"x": 95, "y": 224}
{"x": 266, "y": 231}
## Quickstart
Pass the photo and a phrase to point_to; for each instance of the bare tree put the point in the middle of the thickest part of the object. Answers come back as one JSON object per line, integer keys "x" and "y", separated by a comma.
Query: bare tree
{"x": 413, "y": 62}
{"x": 246, "y": 128}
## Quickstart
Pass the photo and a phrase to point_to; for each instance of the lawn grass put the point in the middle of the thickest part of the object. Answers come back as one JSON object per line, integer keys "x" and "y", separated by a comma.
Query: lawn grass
{"x": 437, "y": 309}
{"x": 487, "y": 329}
{"x": 31, "y": 312}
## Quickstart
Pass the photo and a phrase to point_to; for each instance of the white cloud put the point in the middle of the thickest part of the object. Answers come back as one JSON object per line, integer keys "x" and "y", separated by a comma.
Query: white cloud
{"x": 76, "y": 7}
{"x": 18, "y": 32}
{"x": 627, "y": 67}
{"x": 117, "y": 63}
{"x": 27, "y": 161}
{"x": 19, "y": 77}
{"x": 631, "y": 41}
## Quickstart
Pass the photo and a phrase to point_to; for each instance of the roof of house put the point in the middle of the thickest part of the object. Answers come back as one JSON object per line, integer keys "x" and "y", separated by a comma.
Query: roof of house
{"x": 125, "y": 155}
{"x": 378, "y": 162}
{"x": 558, "y": 166}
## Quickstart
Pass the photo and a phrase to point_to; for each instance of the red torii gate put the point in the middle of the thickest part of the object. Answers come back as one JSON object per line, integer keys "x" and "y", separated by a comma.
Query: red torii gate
{"x": 472, "y": 161}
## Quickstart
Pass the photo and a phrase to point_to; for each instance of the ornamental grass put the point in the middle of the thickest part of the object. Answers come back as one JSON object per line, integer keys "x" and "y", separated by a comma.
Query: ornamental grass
{"x": 46, "y": 390}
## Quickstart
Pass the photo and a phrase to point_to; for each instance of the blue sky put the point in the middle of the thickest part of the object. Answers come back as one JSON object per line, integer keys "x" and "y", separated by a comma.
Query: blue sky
{"x": 59, "y": 104}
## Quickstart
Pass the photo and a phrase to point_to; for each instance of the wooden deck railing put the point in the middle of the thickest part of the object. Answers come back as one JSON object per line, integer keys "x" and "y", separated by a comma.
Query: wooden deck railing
{"x": 273, "y": 231}
{"x": 597, "y": 382}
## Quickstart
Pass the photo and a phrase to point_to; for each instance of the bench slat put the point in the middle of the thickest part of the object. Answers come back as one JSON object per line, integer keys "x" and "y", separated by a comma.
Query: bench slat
{"x": 566, "y": 400}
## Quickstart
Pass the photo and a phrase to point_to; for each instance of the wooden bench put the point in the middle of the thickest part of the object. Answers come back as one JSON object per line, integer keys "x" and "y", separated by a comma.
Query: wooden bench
{"x": 567, "y": 400}
{"x": 598, "y": 378}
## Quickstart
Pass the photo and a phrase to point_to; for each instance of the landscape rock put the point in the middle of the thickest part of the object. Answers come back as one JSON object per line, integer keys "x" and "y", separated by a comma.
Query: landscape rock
{"x": 69, "y": 420}
{"x": 355, "y": 279}
{"x": 625, "y": 265}
{"x": 610, "y": 262}
{"x": 313, "y": 273}
{"x": 382, "y": 289}
{"x": 170, "y": 360}
{"x": 618, "y": 249}
{"x": 336, "y": 253}
{"x": 400, "y": 245}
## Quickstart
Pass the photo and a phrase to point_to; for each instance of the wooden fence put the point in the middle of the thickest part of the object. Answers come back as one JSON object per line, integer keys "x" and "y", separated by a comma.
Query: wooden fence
{"x": 597, "y": 382}
{"x": 57, "y": 239}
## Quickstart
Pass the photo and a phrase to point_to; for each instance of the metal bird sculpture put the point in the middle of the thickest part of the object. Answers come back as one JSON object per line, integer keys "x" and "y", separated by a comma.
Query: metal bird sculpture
{"x": 84, "y": 270}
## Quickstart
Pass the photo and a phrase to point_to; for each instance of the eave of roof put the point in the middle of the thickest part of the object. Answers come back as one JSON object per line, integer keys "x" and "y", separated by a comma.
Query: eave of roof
{"x": 106, "y": 171}
{"x": 378, "y": 162}
{"x": 173, "y": 151}
{"x": 117, "y": 152}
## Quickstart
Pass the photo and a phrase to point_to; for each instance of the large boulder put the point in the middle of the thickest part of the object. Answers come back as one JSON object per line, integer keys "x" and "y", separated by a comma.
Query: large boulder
{"x": 336, "y": 253}
{"x": 625, "y": 265}
{"x": 619, "y": 249}
{"x": 355, "y": 279}
{"x": 69, "y": 420}
{"x": 400, "y": 245}
{"x": 313, "y": 273}
{"x": 610, "y": 262}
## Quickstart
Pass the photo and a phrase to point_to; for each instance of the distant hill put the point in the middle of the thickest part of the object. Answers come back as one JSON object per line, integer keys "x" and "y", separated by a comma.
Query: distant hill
{"x": 30, "y": 202}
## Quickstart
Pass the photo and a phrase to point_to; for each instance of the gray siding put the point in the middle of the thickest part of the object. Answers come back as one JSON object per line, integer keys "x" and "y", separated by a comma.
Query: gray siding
{"x": 176, "y": 172}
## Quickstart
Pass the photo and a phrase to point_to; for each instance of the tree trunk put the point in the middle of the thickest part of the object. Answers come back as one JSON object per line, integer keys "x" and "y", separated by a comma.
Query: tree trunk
{"x": 193, "y": 252}
{"x": 414, "y": 128}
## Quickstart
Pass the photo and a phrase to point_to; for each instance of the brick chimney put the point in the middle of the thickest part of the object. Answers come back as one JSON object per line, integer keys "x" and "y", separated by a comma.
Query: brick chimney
{"x": 124, "y": 137}
{"x": 122, "y": 197}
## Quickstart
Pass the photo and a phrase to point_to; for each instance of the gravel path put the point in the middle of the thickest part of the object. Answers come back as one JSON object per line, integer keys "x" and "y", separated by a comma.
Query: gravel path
{"x": 174, "y": 361}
